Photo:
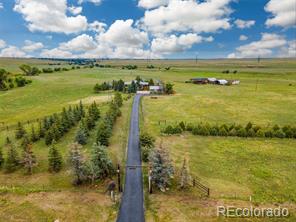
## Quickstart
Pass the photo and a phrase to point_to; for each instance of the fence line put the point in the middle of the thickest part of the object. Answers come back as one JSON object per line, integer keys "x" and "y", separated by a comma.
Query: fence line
{"x": 204, "y": 189}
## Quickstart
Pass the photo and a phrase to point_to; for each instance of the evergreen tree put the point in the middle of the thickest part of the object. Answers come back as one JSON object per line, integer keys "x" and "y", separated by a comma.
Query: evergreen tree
{"x": 146, "y": 144}
{"x": 34, "y": 136}
{"x": 103, "y": 134}
{"x": 151, "y": 82}
{"x": 20, "y": 131}
{"x": 49, "y": 136}
{"x": 185, "y": 175}
{"x": 81, "y": 137}
{"x": 118, "y": 99}
{"x": 29, "y": 159}
{"x": 77, "y": 163}
{"x": 162, "y": 168}
{"x": 101, "y": 163}
{"x": 54, "y": 159}
{"x": 41, "y": 132}
{"x": 12, "y": 160}
{"x": 25, "y": 142}
{"x": 1, "y": 159}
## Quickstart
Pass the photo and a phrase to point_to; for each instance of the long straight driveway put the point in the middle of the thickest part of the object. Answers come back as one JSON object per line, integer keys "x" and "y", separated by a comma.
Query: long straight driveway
{"x": 132, "y": 206}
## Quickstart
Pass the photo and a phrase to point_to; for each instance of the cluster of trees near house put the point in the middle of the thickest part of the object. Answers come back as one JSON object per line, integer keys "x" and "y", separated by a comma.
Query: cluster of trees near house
{"x": 119, "y": 85}
{"x": 162, "y": 170}
{"x": 250, "y": 130}
{"x": 9, "y": 81}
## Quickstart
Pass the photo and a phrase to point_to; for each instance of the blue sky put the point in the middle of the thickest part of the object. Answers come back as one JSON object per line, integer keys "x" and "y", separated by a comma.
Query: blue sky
{"x": 148, "y": 28}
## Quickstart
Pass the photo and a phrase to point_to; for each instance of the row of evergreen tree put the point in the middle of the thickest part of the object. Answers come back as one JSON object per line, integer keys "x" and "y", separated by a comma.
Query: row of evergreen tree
{"x": 27, "y": 160}
{"x": 106, "y": 124}
{"x": 53, "y": 127}
{"x": 87, "y": 123}
{"x": 250, "y": 130}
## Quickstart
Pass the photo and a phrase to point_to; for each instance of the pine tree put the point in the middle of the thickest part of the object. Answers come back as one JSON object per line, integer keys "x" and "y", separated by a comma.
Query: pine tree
{"x": 77, "y": 163}
{"x": 54, "y": 159}
{"x": 49, "y": 137}
{"x": 118, "y": 99}
{"x": 81, "y": 137}
{"x": 103, "y": 134}
{"x": 100, "y": 163}
{"x": 1, "y": 159}
{"x": 20, "y": 131}
{"x": 185, "y": 175}
{"x": 25, "y": 142}
{"x": 41, "y": 132}
{"x": 29, "y": 159}
{"x": 34, "y": 136}
{"x": 162, "y": 168}
{"x": 12, "y": 160}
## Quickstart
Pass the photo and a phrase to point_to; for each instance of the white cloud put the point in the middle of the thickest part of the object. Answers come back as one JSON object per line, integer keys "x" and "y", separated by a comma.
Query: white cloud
{"x": 173, "y": 44}
{"x": 2, "y": 43}
{"x": 122, "y": 33}
{"x": 188, "y": 16}
{"x": 149, "y": 4}
{"x": 56, "y": 53}
{"x": 264, "y": 47}
{"x": 97, "y": 26}
{"x": 32, "y": 46}
{"x": 50, "y": 16}
{"x": 12, "y": 51}
{"x": 75, "y": 10}
{"x": 243, "y": 38}
{"x": 283, "y": 13}
{"x": 1, "y": 5}
{"x": 242, "y": 24}
{"x": 289, "y": 51}
{"x": 80, "y": 43}
{"x": 96, "y": 2}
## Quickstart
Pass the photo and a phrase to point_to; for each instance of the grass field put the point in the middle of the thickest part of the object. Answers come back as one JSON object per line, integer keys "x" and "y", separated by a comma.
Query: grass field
{"x": 233, "y": 168}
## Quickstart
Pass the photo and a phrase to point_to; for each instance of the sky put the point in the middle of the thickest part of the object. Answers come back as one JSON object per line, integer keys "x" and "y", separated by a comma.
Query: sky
{"x": 148, "y": 29}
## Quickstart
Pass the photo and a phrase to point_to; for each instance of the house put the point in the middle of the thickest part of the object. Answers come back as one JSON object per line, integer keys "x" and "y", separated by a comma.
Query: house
{"x": 156, "y": 89}
{"x": 221, "y": 82}
{"x": 199, "y": 80}
{"x": 212, "y": 80}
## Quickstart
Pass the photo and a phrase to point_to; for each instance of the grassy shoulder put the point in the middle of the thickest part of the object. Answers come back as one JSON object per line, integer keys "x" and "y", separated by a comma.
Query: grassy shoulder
{"x": 235, "y": 170}
{"x": 52, "y": 196}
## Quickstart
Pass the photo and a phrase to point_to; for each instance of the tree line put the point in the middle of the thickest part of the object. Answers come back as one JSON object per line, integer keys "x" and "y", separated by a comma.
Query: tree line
{"x": 249, "y": 130}
{"x": 9, "y": 81}
{"x": 96, "y": 166}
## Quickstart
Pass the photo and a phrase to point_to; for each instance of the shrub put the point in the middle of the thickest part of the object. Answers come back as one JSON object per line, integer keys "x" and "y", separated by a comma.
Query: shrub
{"x": 279, "y": 134}
{"x": 260, "y": 133}
{"x": 146, "y": 144}
{"x": 182, "y": 125}
{"x": 162, "y": 168}
{"x": 189, "y": 127}
{"x": 242, "y": 132}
